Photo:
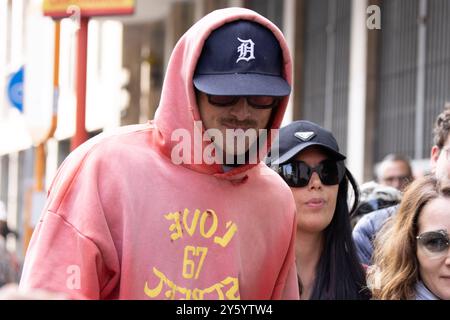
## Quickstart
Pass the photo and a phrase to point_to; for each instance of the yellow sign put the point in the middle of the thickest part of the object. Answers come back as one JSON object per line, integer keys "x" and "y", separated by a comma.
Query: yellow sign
{"x": 87, "y": 8}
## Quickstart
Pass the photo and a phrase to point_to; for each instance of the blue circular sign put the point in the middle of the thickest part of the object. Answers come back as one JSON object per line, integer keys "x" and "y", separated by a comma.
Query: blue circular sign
{"x": 15, "y": 89}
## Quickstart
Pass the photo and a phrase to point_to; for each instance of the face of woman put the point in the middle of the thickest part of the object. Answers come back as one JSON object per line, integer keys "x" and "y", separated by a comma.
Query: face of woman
{"x": 434, "y": 259}
{"x": 316, "y": 202}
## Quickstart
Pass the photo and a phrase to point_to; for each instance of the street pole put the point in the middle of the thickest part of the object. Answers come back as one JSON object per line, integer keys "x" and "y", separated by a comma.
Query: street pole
{"x": 80, "y": 132}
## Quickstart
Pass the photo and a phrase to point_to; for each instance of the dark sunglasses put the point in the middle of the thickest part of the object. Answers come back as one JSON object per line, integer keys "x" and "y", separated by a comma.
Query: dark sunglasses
{"x": 436, "y": 243}
{"x": 297, "y": 173}
{"x": 257, "y": 102}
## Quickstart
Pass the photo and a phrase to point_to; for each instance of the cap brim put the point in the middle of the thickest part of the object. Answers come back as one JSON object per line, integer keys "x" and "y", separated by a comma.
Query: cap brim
{"x": 238, "y": 84}
{"x": 293, "y": 152}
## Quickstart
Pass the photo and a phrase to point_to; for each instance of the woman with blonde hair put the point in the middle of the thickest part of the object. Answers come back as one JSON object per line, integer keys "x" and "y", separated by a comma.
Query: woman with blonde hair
{"x": 412, "y": 259}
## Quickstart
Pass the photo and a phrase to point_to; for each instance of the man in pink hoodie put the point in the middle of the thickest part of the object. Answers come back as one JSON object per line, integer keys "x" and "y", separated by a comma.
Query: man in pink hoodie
{"x": 173, "y": 209}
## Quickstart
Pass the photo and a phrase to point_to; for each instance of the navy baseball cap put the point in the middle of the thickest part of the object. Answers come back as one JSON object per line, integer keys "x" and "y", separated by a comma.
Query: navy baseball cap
{"x": 300, "y": 135}
{"x": 241, "y": 58}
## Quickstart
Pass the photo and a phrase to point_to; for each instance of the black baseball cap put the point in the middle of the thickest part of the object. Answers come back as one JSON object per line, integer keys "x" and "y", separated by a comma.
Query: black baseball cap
{"x": 300, "y": 135}
{"x": 241, "y": 58}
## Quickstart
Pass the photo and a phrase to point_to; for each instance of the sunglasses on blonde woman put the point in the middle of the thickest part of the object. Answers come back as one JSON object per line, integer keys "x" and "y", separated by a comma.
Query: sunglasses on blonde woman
{"x": 434, "y": 243}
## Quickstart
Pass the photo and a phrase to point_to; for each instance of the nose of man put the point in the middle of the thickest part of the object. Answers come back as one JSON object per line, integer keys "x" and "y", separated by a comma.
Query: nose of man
{"x": 241, "y": 110}
{"x": 397, "y": 184}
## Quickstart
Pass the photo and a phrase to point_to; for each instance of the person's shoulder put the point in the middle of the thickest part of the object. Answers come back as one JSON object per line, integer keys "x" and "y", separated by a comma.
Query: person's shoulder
{"x": 104, "y": 150}
{"x": 111, "y": 143}
{"x": 271, "y": 178}
{"x": 379, "y": 217}
{"x": 273, "y": 185}
{"x": 116, "y": 138}
{"x": 375, "y": 219}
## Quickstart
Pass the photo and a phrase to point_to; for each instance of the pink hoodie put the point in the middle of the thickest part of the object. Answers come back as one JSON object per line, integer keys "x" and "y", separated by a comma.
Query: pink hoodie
{"x": 122, "y": 221}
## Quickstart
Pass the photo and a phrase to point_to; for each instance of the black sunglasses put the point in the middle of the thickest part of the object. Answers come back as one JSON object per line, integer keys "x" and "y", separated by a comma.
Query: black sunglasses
{"x": 435, "y": 242}
{"x": 257, "y": 102}
{"x": 297, "y": 173}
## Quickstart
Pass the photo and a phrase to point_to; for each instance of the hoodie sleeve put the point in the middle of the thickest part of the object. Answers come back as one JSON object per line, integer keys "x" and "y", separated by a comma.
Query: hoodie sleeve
{"x": 287, "y": 285}
{"x": 71, "y": 250}
{"x": 62, "y": 260}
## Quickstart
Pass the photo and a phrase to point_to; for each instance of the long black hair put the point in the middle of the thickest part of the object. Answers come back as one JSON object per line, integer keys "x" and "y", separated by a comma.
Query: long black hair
{"x": 339, "y": 274}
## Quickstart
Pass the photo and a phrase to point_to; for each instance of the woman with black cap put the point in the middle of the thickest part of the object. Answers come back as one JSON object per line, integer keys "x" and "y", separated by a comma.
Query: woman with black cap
{"x": 308, "y": 159}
